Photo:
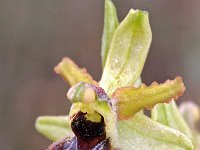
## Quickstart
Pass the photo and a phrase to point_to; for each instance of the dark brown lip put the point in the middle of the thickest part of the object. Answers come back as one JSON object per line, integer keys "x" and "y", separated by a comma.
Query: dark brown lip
{"x": 88, "y": 133}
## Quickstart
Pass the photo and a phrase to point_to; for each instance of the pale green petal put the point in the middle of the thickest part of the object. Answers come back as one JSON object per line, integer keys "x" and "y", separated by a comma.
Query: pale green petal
{"x": 197, "y": 138}
{"x": 142, "y": 133}
{"x": 72, "y": 73}
{"x": 110, "y": 25}
{"x": 129, "y": 100}
{"x": 54, "y": 127}
{"x": 128, "y": 51}
{"x": 191, "y": 113}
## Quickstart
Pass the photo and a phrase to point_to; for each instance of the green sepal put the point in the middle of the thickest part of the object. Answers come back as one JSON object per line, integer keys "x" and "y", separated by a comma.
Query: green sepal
{"x": 54, "y": 127}
{"x": 128, "y": 51}
{"x": 141, "y": 132}
{"x": 110, "y": 25}
{"x": 169, "y": 115}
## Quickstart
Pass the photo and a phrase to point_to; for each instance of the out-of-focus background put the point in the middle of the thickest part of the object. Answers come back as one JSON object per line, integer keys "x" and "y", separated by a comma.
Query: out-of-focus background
{"x": 35, "y": 35}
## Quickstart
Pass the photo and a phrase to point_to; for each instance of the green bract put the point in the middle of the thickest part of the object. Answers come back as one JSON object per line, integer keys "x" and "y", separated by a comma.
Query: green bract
{"x": 125, "y": 47}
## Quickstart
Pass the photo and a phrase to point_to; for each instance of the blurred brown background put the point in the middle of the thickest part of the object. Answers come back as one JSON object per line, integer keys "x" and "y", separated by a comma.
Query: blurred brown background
{"x": 35, "y": 35}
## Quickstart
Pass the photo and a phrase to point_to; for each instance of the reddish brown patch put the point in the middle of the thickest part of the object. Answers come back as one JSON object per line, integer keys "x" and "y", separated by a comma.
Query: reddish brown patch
{"x": 88, "y": 133}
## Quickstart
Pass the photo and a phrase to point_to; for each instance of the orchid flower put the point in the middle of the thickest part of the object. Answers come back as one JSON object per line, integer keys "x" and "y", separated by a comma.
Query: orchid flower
{"x": 109, "y": 114}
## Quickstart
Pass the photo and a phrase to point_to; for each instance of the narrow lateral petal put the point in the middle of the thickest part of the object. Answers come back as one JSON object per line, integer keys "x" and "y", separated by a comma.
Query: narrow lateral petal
{"x": 72, "y": 73}
{"x": 129, "y": 100}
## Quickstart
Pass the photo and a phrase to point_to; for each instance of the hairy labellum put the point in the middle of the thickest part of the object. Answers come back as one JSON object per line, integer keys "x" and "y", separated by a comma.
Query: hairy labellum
{"x": 89, "y": 135}
{"x": 86, "y": 129}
